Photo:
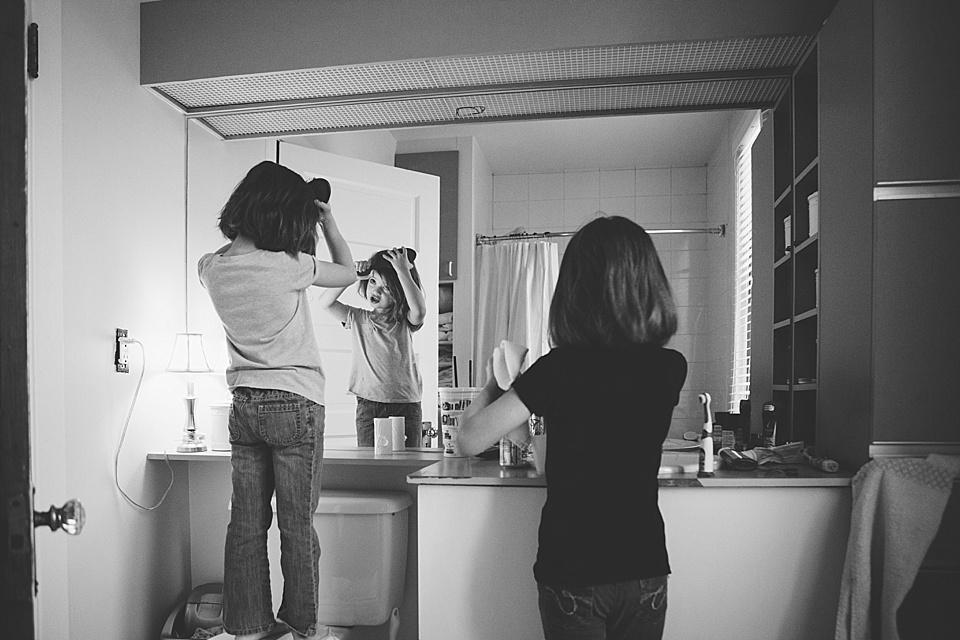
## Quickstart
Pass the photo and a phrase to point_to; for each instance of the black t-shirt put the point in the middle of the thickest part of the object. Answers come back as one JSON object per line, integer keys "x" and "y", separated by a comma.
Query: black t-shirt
{"x": 607, "y": 413}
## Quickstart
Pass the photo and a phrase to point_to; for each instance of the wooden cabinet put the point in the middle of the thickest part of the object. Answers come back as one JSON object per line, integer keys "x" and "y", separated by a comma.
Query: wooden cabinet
{"x": 916, "y": 264}
{"x": 796, "y": 258}
{"x": 446, "y": 166}
{"x": 890, "y": 192}
{"x": 917, "y": 100}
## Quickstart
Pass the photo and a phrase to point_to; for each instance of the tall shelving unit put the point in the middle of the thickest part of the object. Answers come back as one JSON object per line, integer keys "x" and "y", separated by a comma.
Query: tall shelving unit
{"x": 796, "y": 258}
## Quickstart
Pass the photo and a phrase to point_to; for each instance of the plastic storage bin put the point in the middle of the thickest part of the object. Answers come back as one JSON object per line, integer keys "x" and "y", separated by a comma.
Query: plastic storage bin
{"x": 363, "y": 537}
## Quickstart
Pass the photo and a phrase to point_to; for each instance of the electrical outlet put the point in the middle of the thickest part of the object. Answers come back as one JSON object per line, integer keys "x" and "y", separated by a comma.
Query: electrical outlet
{"x": 120, "y": 353}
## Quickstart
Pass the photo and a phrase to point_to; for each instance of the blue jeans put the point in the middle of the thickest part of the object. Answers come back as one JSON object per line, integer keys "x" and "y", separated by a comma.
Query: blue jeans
{"x": 276, "y": 441}
{"x": 634, "y": 610}
{"x": 367, "y": 410}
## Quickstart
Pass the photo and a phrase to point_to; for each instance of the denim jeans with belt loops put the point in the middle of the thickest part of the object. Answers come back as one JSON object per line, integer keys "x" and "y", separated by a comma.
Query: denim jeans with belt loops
{"x": 632, "y": 610}
{"x": 276, "y": 442}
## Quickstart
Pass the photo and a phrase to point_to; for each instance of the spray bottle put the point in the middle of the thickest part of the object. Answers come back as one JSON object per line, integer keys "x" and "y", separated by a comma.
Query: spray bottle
{"x": 706, "y": 439}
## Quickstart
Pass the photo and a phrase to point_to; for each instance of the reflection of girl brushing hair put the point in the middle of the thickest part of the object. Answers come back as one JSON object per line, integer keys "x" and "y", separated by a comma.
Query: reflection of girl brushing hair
{"x": 384, "y": 376}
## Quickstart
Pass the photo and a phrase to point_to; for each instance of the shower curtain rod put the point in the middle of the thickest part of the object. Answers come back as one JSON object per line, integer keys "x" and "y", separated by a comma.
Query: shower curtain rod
{"x": 719, "y": 231}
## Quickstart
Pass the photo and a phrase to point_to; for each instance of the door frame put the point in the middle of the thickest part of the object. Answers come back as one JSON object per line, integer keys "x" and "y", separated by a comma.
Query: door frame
{"x": 17, "y": 561}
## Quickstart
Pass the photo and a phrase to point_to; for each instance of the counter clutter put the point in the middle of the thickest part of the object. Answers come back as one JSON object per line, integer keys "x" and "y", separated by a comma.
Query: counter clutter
{"x": 478, "y": 472}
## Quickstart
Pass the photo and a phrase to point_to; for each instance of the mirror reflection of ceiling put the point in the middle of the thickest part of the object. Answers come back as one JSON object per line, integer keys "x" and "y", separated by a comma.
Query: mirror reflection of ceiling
{"x": 736, "y": 73}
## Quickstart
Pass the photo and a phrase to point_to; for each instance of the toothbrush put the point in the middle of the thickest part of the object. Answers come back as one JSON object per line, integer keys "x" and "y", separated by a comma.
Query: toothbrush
{"x": 706, "y": 438}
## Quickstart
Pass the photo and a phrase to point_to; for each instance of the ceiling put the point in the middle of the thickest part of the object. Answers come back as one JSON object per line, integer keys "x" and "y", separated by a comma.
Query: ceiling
{"x": 613, "y": 142}
{"x": 609, "y": 80}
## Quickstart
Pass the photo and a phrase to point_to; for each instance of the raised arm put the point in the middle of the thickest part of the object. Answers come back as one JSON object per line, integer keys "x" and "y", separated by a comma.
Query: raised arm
{"x": 329, "y": 298}
{"x": 414, "y": 294}
{"x": 340, "y": 272}
{"x": 493, "y": 415}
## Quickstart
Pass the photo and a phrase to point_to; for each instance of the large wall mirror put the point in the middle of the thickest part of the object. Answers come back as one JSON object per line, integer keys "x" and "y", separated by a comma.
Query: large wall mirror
{"x": 666, "y": 171}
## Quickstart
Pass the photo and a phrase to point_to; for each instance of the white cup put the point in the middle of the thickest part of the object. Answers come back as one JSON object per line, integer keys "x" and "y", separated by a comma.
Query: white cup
{"x": 398, "y": 433}
{"x": 539, "y": 446}
{"x": 382, "y": 436}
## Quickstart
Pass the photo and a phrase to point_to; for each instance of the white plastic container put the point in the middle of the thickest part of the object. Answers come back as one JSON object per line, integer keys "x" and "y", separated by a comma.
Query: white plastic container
{"x": 363, "y": 560}
{"x": 813, "y": 201}
{"x": 453, "y": 401}
{"x": 219, "y": 434}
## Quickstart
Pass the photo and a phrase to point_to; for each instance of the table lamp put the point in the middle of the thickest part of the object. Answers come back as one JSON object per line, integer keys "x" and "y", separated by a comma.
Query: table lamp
{"x": 188, "y": 357}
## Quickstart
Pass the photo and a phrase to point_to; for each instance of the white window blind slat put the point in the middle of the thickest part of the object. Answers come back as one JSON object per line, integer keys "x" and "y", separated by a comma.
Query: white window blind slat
{"x": 743, "y": 269}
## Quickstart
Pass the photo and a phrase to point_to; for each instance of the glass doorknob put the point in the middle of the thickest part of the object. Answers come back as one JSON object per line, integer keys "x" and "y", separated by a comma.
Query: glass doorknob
{"x": 70, "y": 517}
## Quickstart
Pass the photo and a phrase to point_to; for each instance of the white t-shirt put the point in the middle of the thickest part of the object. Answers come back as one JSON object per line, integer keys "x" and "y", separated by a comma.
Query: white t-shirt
{"x": 384, "y": 363}
{"x": 262, "y": 302}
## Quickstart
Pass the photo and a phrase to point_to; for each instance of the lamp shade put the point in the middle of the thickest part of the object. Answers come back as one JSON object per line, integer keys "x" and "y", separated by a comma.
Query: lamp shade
{"x": 188, "y": 355}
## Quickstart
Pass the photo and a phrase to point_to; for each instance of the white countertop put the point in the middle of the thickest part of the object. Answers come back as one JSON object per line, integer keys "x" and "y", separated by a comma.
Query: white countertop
{"x": 430, "y": 466}
{"x": 478, "y": 472}
{"x": 331, "y": 455}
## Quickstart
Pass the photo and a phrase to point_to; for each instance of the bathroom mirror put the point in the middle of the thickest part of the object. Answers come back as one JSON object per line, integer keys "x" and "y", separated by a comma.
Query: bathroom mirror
{"x": 664, "y": 170}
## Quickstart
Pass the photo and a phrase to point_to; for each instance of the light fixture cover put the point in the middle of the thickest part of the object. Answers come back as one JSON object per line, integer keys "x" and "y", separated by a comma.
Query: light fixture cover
{"x": 188, "y": 355}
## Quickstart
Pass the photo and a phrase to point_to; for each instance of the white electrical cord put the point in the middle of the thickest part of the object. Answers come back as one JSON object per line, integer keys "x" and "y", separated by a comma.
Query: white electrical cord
{"x": 116, "y": 458}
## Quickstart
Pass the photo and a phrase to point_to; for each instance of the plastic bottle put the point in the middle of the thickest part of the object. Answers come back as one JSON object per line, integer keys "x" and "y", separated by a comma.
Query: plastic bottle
{"x": 706, "y": 439}
{"x": 769, "y": 424}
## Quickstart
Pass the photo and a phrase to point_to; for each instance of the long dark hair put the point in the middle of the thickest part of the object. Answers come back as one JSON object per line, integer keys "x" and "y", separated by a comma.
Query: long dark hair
{"x": 272, "y": 206}
{"x": 386, "y": 271}
{"x": 611, "y": 291}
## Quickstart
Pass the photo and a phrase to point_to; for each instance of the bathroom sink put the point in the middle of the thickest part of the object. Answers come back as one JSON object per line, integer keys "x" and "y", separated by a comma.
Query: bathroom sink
{"x": 674, "y": 462}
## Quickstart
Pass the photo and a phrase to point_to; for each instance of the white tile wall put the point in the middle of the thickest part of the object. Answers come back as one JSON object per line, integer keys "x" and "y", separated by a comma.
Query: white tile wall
{"x": 653, "y": 182}
{"x": 655, "y": 197}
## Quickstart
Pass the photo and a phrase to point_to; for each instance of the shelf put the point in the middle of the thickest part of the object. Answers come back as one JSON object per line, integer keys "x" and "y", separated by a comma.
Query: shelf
{"x": 810, "y": 167}
{"x": 782, "y": 197}
{"x": 806, "y": 243}
{"x": 796, "y": 255}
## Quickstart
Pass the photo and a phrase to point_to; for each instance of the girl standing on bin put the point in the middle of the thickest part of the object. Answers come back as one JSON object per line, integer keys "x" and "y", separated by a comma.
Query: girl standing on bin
{"x": 384, "y": 376}
{"x": 258, "y": 285}
{"x": 606, "y": 391}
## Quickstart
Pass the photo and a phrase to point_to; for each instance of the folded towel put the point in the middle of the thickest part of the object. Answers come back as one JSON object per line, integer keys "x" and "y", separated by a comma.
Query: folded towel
{"x": 897, "y": 507}
{"x": 507, "y": 359}
{"x": 445, "y": 317}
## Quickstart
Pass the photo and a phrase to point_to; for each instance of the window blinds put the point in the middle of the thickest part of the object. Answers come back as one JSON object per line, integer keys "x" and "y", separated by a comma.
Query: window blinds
{"x": 743, "y": 270}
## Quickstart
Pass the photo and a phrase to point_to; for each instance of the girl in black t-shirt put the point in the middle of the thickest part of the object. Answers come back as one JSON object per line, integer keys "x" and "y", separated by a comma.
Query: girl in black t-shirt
{"x": 606, "y": 391}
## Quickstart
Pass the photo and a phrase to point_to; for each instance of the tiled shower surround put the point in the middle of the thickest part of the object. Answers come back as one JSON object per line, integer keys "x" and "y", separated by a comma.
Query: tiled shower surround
{"x": 698, "y": 266}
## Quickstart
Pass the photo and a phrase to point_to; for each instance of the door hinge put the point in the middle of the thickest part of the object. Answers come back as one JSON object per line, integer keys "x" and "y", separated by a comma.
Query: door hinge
{"x": 33, "y": 50}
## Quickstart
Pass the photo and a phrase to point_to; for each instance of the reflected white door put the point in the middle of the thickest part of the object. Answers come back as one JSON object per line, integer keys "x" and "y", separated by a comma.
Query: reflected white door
{"x": 376, "y": 207}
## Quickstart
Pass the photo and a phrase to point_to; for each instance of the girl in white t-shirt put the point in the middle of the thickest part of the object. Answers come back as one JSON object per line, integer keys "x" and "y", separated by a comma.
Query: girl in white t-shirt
{"x": 384, "y": 376}
{"x": 258, "y": 285}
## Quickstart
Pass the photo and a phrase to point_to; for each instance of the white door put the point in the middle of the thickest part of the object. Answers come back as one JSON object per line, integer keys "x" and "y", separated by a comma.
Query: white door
{"x": 376, "y": 207}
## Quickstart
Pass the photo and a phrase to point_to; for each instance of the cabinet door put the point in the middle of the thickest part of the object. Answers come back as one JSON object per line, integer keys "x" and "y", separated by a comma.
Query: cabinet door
{"x": 917, "y": 49}
{"x": 916, "y": 321}
{"x": 446, "y": 166}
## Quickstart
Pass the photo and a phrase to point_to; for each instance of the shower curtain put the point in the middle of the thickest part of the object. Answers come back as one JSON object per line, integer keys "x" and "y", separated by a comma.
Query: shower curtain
{"x": 515, "y": 283}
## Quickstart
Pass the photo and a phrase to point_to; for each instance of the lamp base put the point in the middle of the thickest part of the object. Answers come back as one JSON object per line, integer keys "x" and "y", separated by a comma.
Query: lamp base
{"x": 191, "y": 443}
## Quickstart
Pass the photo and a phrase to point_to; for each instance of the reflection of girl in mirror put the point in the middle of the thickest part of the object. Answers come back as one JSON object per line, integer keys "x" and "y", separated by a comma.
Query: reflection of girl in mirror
{"x": 384, "y": 376}
{"x": 258, "y": 286}
{"x": 606, "y": 392}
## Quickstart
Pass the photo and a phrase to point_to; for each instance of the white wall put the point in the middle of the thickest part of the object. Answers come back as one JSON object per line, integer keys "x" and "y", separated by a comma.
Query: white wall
{"x": 106, "y": 250}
